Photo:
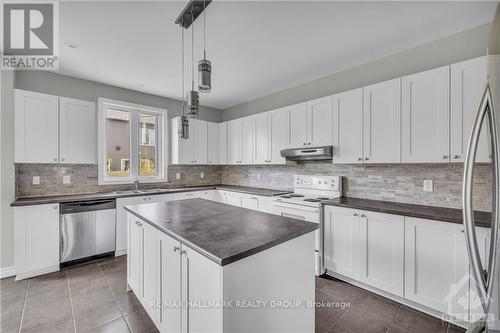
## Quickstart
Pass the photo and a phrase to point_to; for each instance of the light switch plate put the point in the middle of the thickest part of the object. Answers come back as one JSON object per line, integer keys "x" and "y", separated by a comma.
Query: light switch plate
{"x": 202, "y": 175}
{"x": 428, "y": 185}
{"x": 36, "y": 180}
{"x": 66, "y": 180}
{"x": 178, "y": 175}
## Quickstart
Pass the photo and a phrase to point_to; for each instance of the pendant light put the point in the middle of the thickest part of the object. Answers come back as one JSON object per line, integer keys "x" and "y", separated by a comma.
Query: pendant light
{"x": 184, "y": 129}
{"x": 193, "y": 98}
{"x": 204, "y": 65}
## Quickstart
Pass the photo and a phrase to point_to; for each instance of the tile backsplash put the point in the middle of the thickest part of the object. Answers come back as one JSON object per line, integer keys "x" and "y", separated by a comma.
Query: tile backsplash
{"x": 390, "y": 182}
{"x": 84, "y": 179}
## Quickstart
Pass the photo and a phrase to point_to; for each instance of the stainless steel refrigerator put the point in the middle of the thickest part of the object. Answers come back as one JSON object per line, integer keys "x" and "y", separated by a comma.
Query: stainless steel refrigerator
{"x": 486, "y": 274}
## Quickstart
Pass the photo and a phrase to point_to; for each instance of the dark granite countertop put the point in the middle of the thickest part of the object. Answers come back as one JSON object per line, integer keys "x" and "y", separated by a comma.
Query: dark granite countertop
{"x": 222, "y": 233}
{"x": 482, "y": 219}
{"x": 40, "y": 200}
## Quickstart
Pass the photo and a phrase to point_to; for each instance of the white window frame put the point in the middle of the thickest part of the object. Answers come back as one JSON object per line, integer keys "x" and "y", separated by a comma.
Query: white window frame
{"x": 161, "y": 142}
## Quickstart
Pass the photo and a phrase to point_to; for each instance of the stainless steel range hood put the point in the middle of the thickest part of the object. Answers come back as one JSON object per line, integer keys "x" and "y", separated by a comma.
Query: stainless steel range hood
{"x": 308, "y": 154}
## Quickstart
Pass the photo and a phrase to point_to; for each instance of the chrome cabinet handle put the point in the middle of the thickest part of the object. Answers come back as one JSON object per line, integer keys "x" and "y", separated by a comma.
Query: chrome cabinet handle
{"x": 456, "y": 156}
{"x": 62, "y": 159}
{"x": 355, "y": 214}
{"x": 55, "y": 159}
{"x": 363, "y": 215}
{"x": 483, "y": 281}
{"x": 176, "y": 248}
{"x": 360, "y": 158}
{"x": 366, "y": 158}
{"x": 444, "y": 157}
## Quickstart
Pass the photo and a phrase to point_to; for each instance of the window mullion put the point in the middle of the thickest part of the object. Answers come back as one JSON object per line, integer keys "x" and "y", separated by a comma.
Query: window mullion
{"x": 134, "y": 144}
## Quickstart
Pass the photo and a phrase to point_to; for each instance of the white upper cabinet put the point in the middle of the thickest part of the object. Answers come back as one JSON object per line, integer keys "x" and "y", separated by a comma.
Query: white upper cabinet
{"x": 299, "y": 124}
{"x": 200, "y": 136}
{"x": 321, "y": 122}
{"x": 36, "y": 127}
{"x": 234, "y": 142}
{"x": 77, "y": 128}
{"x": 280, "y": 134}
{"x": 425, "y": 116}
{"x": 468, "y": 79}
{"x": 263, "y": 138}
{"x": 194, "y": 150}
{"x": 213, "y": 143}
{"x": 382, "y": 122}
{"x": 223, "y": 143}
{"x": 348, "y": 127}
{"x": 248, "y": 140}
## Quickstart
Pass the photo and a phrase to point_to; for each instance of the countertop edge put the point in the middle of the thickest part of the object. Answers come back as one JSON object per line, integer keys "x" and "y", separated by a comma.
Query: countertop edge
{"x": 440, "y": 217}
{"x": 42, "y": 200}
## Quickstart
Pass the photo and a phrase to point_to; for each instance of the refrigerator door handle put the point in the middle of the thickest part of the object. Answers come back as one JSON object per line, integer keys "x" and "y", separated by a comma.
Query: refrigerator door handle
{"x": 483, "y": 281}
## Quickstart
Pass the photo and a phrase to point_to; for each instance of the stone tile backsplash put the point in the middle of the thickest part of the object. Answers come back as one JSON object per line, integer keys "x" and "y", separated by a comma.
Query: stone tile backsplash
{"x": 84, "y": 179}
{"x": 390, "y": 182}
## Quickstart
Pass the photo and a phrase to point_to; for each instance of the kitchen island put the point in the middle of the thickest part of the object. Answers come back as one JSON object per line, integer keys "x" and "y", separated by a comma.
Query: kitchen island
{"x": 201, "y": 266}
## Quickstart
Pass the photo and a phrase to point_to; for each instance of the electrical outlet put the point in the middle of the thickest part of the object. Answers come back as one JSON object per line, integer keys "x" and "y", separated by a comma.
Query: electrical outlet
{"x": 178, "y": 175}
{"x": 36, "y": 180}
{"x": 428, "y": 185}
{"x": 202, "y": 175}
{"x": 66, "y": 180}
{"x": 258, "y": 176}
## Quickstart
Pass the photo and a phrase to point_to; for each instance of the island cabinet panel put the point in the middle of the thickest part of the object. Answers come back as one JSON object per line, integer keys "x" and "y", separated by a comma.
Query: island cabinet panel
{"x": 382, "y": 251}
{"x": 134, "y": 258}
{"x": 341, "y": 241}
{"x": 150, "y": 270}
{"x": 435, "y": 259}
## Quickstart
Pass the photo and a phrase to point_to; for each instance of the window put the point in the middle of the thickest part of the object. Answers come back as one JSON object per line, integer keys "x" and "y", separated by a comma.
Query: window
{"x": 131, "y": 142}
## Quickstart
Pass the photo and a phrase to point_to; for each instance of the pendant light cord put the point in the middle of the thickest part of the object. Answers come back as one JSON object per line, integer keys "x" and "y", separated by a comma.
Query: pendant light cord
{"x": 192, "y": 49}
{"x": 182, "y": 62}
{"x": 204, "y": 32}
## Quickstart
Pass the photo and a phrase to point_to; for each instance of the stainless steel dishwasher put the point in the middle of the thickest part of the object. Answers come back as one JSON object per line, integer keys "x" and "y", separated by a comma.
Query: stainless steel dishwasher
{"x": 87, "y": 231}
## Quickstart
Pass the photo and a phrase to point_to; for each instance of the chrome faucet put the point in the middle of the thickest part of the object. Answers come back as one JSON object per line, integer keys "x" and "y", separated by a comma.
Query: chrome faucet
{"x": 137, "y": 186}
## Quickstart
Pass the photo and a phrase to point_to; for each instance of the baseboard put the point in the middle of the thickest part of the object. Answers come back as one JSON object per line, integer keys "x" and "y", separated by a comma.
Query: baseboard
{"x": 120, "y": 252}
{"x": 25, "y": 275}
{"x": 7, "y": 272}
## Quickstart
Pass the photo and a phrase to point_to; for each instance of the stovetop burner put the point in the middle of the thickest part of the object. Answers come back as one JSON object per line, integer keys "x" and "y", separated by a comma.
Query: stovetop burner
{"x": 297, "y": 195}
{"x": 312, "y": 200}
{"x": 286, "y": 196}
{"x": 323, "y": 198}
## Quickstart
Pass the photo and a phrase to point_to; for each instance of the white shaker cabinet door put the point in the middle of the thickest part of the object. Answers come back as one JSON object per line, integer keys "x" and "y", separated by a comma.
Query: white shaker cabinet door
{"x": 36, "y": 240}
{"x": 341, "y": 241}
{"x": 234, "y": 141}
{"x": 248, "y": 140}
{"x": 135, "y": 255}
{"x": 425, "y": 116}
{"x": 280, "y": 134}
{"x": 299, "y": 125}
{"x": 382, "y": 251}
{"x": 382, "y": 122}
{"x": 169, "y": 275}
{"x": 182, "y": 150}
{"x": 223, "y": 143}
{"x": 200, "y": 146}
{"x": 78, "y": 131}
{"x": 262, "y": 138}
{"x": 150, "y": 270}
{"x": 213, "y": 143}
{"x": 321, "y": 121}
{"x": 348, "y": 127}
{"x": 476, "y": 311}
{"x": 36, "y": 127}
{"x": 121, "y": 222}
{"x": 468, "y": 80}
{"x": 435, "y": 259}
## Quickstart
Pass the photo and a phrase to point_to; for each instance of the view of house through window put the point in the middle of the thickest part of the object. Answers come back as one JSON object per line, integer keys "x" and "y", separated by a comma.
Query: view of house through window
{"x": 131, "y": 142}
{"x": 148, "y": 125}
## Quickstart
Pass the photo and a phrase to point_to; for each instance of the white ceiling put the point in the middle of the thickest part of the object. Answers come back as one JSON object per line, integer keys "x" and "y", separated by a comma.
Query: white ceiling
{"x": 256, "y": 48}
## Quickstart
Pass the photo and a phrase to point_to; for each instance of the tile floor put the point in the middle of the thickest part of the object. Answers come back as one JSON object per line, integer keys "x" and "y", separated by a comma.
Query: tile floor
{"x": 93, "y": 298}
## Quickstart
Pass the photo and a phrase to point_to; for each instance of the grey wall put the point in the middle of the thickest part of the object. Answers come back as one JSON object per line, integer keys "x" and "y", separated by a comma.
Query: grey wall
{"x": 390, "y": 182}
{"x": 458, "y": 47}
{"x": 7, "y": 183}
{"x": 67, "y": 86}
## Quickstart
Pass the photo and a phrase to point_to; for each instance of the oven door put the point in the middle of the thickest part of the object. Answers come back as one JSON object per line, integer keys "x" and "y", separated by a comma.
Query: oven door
{"x": 305, "y": 213}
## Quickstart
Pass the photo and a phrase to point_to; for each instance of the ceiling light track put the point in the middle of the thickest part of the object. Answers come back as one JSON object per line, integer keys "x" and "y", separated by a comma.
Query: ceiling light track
{"x": 193, "y": 9}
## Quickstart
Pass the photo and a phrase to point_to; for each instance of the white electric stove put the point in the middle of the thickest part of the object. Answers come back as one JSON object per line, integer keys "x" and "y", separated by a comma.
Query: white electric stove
{"x": 305, "y": 203}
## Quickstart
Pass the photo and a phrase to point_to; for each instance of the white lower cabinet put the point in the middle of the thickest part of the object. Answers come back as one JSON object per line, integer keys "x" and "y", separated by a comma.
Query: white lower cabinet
{"x": 435, "y": 260}
{"x": 341, "y": 241}
{"x": 382, "y": 251}
{"x": 164, "y": 273}
{"x": 250, "y": 202}
{"x": 36, "y": 239}
{"x": 232, "y": 198}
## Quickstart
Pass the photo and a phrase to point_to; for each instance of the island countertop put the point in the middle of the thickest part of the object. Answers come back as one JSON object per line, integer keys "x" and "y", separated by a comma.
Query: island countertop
{"x": 220, "y": 232}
